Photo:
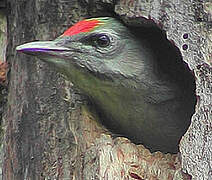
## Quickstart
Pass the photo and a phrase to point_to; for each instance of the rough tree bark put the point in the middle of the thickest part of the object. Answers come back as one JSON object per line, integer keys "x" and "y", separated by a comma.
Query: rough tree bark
{"x": 3, "y": 72}
{"x": 48, "y": 132}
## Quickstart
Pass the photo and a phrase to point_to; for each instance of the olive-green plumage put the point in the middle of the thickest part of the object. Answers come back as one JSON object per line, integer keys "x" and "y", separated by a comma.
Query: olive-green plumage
{"x": 124, "y": 80}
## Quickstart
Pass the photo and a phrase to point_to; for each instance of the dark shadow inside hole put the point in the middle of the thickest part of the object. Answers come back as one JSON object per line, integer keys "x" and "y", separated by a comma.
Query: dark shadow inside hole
{"x": 171, "y": 68}
{"x": 168, "y": 56}
{"x": 170, "y": 65}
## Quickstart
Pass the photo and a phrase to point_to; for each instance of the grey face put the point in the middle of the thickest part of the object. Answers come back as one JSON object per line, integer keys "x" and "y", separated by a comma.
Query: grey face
{"x": 108, "y": 50}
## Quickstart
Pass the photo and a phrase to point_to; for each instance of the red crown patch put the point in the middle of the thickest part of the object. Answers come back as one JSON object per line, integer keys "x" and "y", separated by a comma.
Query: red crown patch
{"x": 82, "y": 26}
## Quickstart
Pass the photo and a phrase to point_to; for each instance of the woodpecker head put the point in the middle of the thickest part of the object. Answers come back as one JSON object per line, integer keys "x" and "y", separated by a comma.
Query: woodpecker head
{"x": 103, "y": 47}
{"x": 121, "y": 75}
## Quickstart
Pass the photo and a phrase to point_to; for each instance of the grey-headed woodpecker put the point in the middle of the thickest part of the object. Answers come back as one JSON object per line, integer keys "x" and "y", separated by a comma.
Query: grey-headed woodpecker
{"x": 122, "y": 77}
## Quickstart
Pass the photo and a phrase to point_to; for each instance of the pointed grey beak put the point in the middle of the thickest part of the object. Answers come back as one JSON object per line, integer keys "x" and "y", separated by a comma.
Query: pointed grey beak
{"x": 40, "y": 46}
{"x": 48, "y": 51}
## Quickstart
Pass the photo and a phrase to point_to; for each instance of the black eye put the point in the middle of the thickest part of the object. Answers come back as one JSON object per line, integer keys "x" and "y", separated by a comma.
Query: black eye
{"x": 102, "y": 40}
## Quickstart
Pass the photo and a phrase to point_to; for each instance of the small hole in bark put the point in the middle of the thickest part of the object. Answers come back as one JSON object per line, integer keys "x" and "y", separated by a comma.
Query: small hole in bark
{"x": 185, "y": 36}
{"x": 199, "y": 67}
{"x": 135, "y": 176}
{"x": 185, "y": 46}
{"x": 72, "y": 105}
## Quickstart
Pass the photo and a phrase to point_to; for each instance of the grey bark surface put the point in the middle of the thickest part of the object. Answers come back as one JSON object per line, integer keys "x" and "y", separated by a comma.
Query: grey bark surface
{"x": 3, "y": 89}
{"x": 49, "y": 134}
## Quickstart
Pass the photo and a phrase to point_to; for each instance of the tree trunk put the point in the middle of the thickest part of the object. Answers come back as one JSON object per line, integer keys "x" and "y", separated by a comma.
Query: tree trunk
{"x": 49, "y": 133}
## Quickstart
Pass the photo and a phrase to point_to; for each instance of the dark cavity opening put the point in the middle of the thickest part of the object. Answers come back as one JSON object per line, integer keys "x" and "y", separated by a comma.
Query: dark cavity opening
{"x": 169, "y": 58}
{"x": 171, "y": 64}
{"x": 172, "y": 68}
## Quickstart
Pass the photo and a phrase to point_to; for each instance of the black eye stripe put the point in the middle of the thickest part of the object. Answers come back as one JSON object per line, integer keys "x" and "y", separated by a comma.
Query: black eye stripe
{"x": 99, "y": 40}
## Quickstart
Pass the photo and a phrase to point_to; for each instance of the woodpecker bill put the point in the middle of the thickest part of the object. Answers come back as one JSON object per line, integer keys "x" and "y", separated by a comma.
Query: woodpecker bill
{"x": 121, "y": 77}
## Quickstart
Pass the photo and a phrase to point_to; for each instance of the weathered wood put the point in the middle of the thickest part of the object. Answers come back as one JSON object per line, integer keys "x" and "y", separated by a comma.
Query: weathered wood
{"x": 3, "y": 75}
{"x": 51, "y": 135}
{"x": 38, "y": 138}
